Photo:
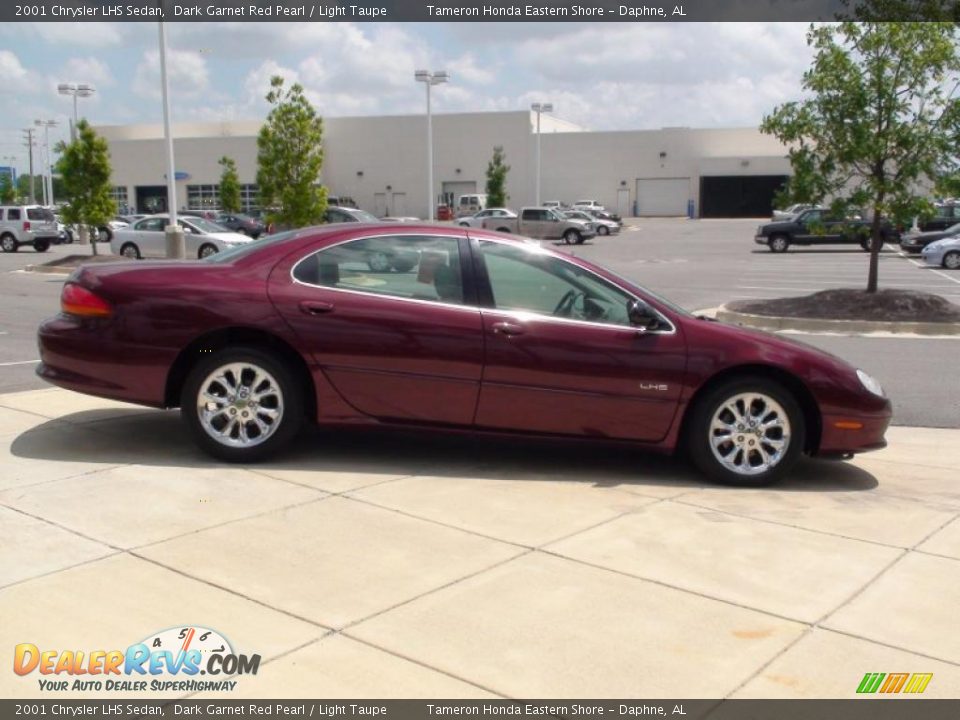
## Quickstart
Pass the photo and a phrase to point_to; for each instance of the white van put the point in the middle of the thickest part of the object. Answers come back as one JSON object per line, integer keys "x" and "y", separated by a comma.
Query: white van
{"x": 471, "y": 204}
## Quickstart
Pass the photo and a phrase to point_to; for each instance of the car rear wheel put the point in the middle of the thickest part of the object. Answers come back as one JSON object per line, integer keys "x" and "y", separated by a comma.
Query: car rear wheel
{"x": 778, "y": 243}
{"x": 104, "y": 235}
{"x": 243, "y": 231}
{"x": 41, "y": 245}
{"x": 572, "y": 237}
{"x": 8, "y": 244}
{"x": 951, "y": 261}
{"x": 206, "y": 250}
{"x": 747, "y": 432}
{"x": 242, "y": 404}
{"x": 603, "y": 230}
{"x": 865, "y": 243}
{"x": 130, "y": 250}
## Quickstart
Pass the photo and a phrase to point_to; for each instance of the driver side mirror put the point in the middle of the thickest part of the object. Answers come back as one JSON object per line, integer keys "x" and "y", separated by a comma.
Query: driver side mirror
{"x": 642, "y": 315}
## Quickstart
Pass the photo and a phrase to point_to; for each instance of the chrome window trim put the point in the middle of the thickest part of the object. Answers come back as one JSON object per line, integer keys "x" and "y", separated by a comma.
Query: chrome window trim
{"x": 367, "y": 293}
{"x": 672, "y": 328}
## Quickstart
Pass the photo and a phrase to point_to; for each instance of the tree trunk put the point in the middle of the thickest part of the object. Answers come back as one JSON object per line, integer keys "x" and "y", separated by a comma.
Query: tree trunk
{"x": 876, "y": 242}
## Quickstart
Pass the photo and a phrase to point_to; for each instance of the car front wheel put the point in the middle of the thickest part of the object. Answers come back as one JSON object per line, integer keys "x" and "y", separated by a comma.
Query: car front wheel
{"x": 130, "y": 250}
{"x": 242, "y": 404}
{"x": 572, "y": 237}
{"x": 778, "y": 244}
{"x": 603, "y": 230}
{"x": 206, "y": 250}
{"x": 951, "y": 261}
{"x": 746, "y": 432}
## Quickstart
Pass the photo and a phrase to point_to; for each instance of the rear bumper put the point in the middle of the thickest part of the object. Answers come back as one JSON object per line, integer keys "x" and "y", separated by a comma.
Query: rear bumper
{"x": 84, "y": 356}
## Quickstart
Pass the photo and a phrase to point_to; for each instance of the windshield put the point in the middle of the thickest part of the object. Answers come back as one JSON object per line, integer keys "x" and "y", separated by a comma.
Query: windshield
{"x": 239, "y": 251}
{"x": 364, "y": 216}
{"x": 206, "y": 226}
{"x": 953, "y": 229}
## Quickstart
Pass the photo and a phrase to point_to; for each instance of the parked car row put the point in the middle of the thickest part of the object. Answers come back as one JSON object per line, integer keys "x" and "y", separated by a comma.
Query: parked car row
{"x": 815, "y": 226}
{"x": 147, "y": 238}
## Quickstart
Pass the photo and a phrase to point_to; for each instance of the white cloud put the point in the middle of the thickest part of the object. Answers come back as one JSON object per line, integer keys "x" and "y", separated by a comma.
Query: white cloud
{"x": 87, "y": 70}
{"x": 16, "y": 78}
{"x": 187, "y": 75}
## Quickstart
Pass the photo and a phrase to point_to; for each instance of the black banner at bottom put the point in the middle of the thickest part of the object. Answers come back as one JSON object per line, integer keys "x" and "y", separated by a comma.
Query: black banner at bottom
{"x": 866, "y": 708}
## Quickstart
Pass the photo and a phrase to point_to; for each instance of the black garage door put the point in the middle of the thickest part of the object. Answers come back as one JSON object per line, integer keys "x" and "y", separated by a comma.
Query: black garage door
{"x": 739, "y": 195}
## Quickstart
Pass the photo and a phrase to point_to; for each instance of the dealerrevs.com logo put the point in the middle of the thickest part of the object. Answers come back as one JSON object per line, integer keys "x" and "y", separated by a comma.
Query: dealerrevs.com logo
{"x": 170, "y": 660}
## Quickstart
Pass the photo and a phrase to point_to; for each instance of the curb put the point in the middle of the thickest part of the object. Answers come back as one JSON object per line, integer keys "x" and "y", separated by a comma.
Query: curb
{"x": 855, "y": 327}
{"x": 53, "y": 269}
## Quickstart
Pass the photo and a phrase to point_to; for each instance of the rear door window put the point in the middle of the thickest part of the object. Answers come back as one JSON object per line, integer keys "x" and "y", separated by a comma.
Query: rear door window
{"x": 13, "y": 214}
{"x": 40, "y": 215}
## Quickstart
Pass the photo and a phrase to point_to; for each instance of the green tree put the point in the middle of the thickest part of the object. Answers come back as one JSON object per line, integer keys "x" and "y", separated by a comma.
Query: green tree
{"x": 229, "y": 185}
{"x": 7, "y": 192}
{"x": 497, "y": 179}
{"x": 289, "y": 158}
{"x": 23, "y": 187}
{"x": 85, "y": 167}
{"x": 880, "y": 123}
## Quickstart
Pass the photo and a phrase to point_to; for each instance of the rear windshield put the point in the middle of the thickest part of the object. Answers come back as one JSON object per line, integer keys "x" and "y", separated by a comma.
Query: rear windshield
{"x": 239, "y": 251}
{"x": 40, "y": 214}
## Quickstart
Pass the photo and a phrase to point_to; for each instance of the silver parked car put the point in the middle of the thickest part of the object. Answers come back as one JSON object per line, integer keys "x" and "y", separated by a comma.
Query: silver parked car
{"x": 943, "y": 253}
{"x": 604, "y": 226}
{"x": 147, "y": 238}
{"x": 476, "y": 221}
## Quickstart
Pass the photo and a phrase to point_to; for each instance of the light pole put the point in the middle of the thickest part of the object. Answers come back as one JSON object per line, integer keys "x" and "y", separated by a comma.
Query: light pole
{"x": 174, "y": 235}
{"x": 48, "y": 173}
{"x": 430, "y": 79}
{"x": 28, "y": 137}
{"x": 77, "y": 90}
{"x": 539, "y": 108}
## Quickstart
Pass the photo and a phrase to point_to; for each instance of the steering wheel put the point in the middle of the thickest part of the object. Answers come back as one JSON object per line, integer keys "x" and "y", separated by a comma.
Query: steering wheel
{"x": 565, "y": 306}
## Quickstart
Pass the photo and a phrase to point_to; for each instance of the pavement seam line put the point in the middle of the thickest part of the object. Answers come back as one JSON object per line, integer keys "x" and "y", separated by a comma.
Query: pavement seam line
{"x": 92, "y": 471}
{"x": 661, "y": 583}
{"x": 330, "y": 492}
{"x": 197, "y": 531}
{"x": 64, "y": 527}
{"x": 892, "y": 646}
{"x": 235, "y": 593}
{"x": 423, "y": 664}
{"x": 827, "y": 533}
{"x": 62, "y": 569}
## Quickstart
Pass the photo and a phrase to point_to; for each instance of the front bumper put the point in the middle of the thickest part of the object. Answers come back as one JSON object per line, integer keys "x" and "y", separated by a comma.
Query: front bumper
{"x": 840, "y": 435}
{"x": 934, "y": 258}
{"x": 760, "y": 239}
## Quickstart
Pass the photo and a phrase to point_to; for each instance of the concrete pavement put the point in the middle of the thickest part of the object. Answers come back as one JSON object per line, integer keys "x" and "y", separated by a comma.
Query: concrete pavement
{"x": 395, "y": 565}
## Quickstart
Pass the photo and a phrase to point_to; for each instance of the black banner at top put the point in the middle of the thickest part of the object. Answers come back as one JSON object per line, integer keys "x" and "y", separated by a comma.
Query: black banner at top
{"x": 621, "y": 11}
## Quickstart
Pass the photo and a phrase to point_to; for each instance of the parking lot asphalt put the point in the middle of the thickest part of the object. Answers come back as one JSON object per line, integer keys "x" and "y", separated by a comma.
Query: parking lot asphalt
{"x": 390, "y": 565}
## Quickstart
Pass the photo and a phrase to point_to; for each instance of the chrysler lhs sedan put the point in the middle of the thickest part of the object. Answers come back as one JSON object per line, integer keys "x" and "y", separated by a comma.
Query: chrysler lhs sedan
{"x": 476, "y": 332}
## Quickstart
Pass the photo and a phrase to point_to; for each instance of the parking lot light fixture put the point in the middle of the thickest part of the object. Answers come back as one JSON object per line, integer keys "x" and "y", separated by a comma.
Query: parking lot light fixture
{"x": 76, "y": 90}
{"x": 539, "y": 108}
{"x": 429, "y": 79}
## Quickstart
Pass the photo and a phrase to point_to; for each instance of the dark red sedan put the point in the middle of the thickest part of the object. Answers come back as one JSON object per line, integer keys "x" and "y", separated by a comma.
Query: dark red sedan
{"x": 446, "y": 327}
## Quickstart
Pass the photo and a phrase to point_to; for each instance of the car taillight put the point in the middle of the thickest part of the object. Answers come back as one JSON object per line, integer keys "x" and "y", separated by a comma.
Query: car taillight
{"x": 77, "y": 300}
{"x": 26, "y": 224}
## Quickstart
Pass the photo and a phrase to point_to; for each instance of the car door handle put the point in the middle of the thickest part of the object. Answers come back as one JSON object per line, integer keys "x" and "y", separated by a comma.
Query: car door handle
{"x": 507, "y": 328}
{"x": 316, "y": 307}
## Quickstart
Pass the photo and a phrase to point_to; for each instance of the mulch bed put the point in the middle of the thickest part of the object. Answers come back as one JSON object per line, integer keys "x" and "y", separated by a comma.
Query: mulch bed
{"x": 848, "y": 304}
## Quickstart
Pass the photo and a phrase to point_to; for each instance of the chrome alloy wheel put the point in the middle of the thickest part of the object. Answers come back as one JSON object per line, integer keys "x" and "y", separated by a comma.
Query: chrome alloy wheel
{"x": 240, "y": 405}
{"x": 749, "y": 433}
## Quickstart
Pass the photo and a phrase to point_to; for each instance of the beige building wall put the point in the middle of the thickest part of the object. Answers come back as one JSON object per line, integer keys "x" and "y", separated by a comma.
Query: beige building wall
{"x": 381, "y": 161}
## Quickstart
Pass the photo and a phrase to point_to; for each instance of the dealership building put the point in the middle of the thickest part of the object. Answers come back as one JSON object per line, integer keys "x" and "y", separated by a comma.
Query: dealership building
{"x": 381, "y": 163}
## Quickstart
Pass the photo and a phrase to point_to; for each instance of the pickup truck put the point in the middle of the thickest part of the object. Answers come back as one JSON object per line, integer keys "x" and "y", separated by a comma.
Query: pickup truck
{"x": 542, "y": 223}
{"x": 815, "y": 227}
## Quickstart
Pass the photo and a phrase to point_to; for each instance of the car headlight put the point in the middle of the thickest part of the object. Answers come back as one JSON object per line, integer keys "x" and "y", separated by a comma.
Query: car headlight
{"x": 870, "y": 383}
{"x": 935, "y": 245}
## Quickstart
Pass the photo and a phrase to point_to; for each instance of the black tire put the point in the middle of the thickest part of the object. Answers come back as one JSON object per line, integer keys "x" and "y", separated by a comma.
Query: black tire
{"x": 778, "y": 243}
{"x": 865, "y": 244}
{"x": 464, "y": 224}
{"x": 130, "y": 250}
{"x": 104, "y": 234}
{"x": 698, "y": 436}
{"x": 206, "y": 250}
{"x": 404, "y": 263}
{"x": 8, "y": 243}
{"x": 603, "y": 230}
{"x": 951, "y": 260}
{"x": 572, "y": 237}
{"x": 379, "y": 262}
{"x": 70, "y": 237}
{"x": 41, "y": 246}
{"x": 290, "y": 398}
{"x": 504, "y": 230}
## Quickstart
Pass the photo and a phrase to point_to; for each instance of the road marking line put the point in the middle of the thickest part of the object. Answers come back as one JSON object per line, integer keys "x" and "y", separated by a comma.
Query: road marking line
{"x": 931, "y": 269}
{"x": 19, "y": 362}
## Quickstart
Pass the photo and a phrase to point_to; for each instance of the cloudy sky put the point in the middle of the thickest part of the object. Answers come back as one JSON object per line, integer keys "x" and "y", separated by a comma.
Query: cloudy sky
{"x": 607, "y": 76}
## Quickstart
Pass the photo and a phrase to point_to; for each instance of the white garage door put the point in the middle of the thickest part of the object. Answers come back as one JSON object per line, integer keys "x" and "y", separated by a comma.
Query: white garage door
{"x": 662, "y": 196}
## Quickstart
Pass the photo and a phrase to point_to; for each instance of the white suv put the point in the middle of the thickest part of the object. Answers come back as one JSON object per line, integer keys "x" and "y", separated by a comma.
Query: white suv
{"x": 27, "y": 225}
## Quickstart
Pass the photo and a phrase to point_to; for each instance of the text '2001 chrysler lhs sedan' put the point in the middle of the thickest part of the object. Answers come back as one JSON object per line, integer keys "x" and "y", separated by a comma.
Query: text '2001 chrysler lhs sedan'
{"x": 456, "y": 328}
